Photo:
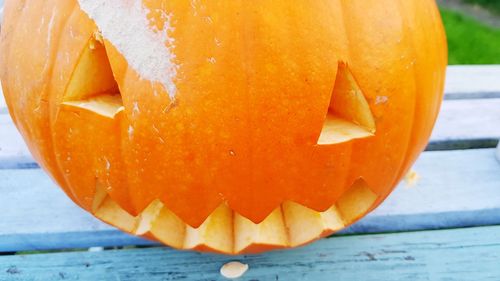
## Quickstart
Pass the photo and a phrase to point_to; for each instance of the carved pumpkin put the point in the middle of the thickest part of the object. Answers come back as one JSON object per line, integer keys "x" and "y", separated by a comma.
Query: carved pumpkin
{"x": 232, "y": 126}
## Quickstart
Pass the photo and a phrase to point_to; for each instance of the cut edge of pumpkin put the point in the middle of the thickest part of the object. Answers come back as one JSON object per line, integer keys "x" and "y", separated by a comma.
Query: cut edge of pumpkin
{"x": 92, "y": 85}
{"x": 105, "y": 105}
{"x": 349, "y": 116}
{"x": 92, "y": 74}
{"x": 227, "y": 232}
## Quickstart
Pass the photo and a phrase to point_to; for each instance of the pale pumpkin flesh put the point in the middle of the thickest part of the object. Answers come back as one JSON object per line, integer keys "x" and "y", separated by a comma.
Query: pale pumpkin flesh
{"x": 289, "y": 121}
{"x": 225, "y": 231}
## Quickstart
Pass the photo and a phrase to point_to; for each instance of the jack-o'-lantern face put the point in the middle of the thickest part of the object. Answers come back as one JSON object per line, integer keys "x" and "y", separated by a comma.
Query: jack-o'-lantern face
{"x": 229, "y": 126}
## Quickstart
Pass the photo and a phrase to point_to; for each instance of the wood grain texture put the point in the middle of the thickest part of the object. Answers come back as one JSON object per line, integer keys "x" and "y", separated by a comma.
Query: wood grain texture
{"x": 454, "y": 189}
{"x": 460, "y": 254}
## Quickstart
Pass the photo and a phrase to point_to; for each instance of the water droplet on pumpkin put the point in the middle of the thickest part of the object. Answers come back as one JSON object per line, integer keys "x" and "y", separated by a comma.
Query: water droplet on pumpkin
{"x": 130, "y": 131}
{"x": 212, "y": 60}
{"x": 232, "y": 153}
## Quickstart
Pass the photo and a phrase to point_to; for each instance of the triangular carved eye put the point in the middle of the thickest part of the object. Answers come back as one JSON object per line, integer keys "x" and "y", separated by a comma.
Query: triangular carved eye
{"x": 349, "y": 116}
{"x": 92, "y": 85}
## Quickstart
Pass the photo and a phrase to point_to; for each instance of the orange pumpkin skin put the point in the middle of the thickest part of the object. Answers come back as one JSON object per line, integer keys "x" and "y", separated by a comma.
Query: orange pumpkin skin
{"x": 238, "y": 140}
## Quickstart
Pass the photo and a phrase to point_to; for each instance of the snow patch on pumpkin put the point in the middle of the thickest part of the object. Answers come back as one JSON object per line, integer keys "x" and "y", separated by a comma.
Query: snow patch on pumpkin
{"x": 147, "y": 50}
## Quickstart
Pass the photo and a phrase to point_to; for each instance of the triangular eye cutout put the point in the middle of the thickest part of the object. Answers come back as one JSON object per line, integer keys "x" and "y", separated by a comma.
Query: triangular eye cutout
{"x": 349, "y": 116}
{"x": 92, "y": 84}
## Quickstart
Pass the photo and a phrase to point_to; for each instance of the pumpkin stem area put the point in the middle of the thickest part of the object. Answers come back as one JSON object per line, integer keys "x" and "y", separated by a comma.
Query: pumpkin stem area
{"x": 349, "y": 116}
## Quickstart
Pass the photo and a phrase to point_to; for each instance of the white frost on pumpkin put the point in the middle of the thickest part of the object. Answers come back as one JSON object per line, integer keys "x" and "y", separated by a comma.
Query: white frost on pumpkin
{"x": 108, "y": 164}
{"x": 148, "y": 51}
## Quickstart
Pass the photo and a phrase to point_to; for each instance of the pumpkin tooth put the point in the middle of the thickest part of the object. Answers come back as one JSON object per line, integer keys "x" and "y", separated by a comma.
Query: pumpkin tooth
{"x": 144, "y": 221}
{"x": 269, "y": 234}
{"x": 356, "y": 201}
{"x": 215, "y": 234}
{"x": 111, "y": 212}
{"x": 303, "y": 224}
{"x": 99, "y": 196}
{"x": 169, "y": 229}
{"x": 332, "y": 221}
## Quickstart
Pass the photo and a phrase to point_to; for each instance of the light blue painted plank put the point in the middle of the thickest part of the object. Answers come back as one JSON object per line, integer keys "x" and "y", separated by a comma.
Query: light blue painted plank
{"x": 13, "y": 151}
{"x": 455, "y": 189}
{"x": 472, "y": 81}
{"x": 498, "y": 152}
{"x": 460, "y": 254}
{"x": 466, "y": 124}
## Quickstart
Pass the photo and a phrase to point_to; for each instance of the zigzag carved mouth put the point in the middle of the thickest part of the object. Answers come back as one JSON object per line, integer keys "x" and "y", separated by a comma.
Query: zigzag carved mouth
{"x": 225, "y": 231}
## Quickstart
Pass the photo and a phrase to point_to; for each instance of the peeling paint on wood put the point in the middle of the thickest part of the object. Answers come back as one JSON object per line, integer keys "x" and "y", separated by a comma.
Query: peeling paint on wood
{"x": 463, "y": 254}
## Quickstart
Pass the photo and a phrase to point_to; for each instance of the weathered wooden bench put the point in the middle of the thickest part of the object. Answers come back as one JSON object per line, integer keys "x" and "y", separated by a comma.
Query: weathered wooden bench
{"x": 443, "y": 224}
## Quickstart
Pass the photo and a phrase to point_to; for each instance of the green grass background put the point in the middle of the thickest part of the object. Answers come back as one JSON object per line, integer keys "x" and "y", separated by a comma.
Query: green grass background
{"x": 469, "y": 41}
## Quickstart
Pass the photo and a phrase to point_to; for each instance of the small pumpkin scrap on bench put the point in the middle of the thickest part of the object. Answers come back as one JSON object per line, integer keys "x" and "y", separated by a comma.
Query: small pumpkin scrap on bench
{"x": 225, "y": 126}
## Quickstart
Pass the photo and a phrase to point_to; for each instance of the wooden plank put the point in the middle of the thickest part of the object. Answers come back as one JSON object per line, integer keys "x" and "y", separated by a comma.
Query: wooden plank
{"x": 454, "y": 189}
{"x": 459, "y": 254}
{"x": 466, "y": 124}
{"x": 3, "y": 104}
{"x": 462, "y": 124}
{"x": 473, "y": 81}
{"x": 13, "y": 151}
{"x": 498, "y": 152}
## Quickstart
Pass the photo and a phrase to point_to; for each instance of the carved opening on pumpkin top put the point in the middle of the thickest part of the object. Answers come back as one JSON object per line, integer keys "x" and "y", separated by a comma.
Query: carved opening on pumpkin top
{"x": 92, "y": 85}
{"x": 349, "y": 116}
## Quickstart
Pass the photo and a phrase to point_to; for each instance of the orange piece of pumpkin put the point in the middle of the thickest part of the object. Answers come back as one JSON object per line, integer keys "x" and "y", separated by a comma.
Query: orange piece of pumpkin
{"x": 230, "y": 126}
